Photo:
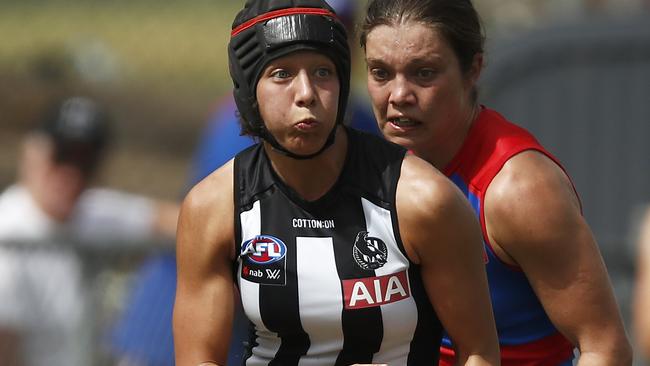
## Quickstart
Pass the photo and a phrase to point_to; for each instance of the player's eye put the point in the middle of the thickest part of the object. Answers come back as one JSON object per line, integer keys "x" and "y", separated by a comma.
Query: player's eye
{"x": 280, "y": 74}
{"x": 324, "y": 72}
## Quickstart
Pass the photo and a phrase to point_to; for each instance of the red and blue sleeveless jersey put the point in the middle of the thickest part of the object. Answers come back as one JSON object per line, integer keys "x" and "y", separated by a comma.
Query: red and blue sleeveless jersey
{"x": 526, "y": 335}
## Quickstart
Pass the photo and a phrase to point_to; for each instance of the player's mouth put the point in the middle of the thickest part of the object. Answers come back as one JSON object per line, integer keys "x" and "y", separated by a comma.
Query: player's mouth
{"x": 403, "y": 123}
{"x": 307, "y": 124}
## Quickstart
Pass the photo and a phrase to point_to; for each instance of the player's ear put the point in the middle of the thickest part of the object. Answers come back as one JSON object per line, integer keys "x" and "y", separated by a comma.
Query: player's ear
{"x": 474, "y": 72}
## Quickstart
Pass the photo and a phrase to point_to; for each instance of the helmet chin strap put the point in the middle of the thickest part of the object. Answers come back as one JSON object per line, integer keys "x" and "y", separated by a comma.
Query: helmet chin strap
{"x": 268, "y": 137}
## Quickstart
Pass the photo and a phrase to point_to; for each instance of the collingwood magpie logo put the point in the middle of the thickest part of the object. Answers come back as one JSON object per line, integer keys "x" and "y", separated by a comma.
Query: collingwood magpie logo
{"x": 369, "y": 252}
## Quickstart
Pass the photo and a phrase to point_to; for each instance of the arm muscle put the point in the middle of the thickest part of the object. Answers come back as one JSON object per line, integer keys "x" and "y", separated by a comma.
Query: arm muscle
{"x": 203, "y": 309}
{"x": 450, "y": 253}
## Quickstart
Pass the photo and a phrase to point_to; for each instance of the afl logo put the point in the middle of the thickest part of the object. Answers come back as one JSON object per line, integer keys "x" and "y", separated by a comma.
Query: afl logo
{"x": 369, "y": 252}
{"x": 264, "y": 249}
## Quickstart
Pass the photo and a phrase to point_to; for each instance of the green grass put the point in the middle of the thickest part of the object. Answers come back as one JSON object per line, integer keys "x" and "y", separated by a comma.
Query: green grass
{"x": 161, "y": 43}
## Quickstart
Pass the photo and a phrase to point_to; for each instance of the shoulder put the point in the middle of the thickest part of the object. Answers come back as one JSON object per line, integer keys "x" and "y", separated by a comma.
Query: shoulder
{"x": 420, "y": 182}
{"x": 428, "y": 199}
{"x": 530, "y": 179}
{"x": 531, "y": 202}
{"x": 206, "y": 216}
{"x": 14, "y": 195}
{"x": 212, "y": 194}
{"x": 22, "y": 218}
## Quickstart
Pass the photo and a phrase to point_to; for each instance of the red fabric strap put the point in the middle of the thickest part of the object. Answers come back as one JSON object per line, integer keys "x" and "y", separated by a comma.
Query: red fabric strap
{"x": 280, "y": 13}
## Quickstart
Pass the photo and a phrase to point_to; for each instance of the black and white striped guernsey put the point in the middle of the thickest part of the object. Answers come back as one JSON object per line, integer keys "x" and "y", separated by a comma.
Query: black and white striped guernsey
{"x": 327, "y": 282}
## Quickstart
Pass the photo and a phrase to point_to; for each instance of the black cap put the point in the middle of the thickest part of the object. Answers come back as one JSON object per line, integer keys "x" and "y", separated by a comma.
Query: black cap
{"x": 78, "y": 127}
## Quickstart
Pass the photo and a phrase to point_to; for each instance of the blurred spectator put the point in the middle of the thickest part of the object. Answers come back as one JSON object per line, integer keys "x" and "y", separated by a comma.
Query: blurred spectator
{"x": 642, "y": 294}
{"x": 43, "y": 217}
{"x": 143, "y": 337}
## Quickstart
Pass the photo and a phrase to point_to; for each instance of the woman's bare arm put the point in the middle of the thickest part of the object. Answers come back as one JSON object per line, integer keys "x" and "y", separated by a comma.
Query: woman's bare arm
{"x": 533, "y": 218}
{"x": 203, "y": 310}
{"x": 442, "y": 234}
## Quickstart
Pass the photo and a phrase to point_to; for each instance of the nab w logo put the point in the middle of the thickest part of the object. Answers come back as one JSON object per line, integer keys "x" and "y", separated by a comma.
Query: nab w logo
{"x": 264, "y": 249}
{"x": 273, "y": 274}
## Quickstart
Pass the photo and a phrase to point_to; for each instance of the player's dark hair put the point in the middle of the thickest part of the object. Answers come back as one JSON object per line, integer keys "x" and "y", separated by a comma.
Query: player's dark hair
{"x": 456, "y": 20}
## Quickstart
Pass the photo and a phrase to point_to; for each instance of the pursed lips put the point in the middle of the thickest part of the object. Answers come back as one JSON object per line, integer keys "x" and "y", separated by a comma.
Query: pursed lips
{"x": 306, "y": 123}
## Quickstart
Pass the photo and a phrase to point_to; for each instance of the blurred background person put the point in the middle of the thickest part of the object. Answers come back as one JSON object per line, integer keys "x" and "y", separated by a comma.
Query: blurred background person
{"x": 44, "y": 217}
{"x": 143, "y": 336}
{"x": 642, "y": 287}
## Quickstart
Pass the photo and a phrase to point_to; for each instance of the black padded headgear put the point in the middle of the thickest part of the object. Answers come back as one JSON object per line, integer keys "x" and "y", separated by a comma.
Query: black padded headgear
{"x": 269, "y": 29}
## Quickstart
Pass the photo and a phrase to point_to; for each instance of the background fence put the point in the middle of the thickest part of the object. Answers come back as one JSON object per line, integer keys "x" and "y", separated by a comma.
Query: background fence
{"x": 582, "y": 87}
